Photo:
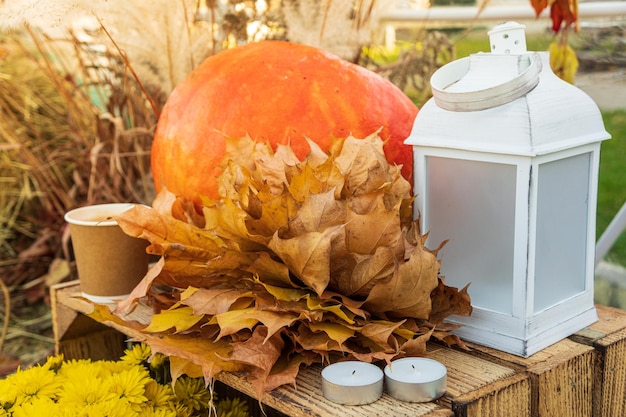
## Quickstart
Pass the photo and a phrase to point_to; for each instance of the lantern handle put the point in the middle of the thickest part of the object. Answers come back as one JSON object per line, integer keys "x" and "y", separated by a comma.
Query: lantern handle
{"x": 486, "y": 98}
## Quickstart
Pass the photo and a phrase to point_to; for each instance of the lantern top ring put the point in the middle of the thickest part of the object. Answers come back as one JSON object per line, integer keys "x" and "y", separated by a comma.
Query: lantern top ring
{"x": 486, "y": 98}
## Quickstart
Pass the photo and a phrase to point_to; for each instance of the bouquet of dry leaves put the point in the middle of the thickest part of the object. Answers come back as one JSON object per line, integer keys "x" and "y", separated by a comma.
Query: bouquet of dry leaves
{"x": 298, "y": 262}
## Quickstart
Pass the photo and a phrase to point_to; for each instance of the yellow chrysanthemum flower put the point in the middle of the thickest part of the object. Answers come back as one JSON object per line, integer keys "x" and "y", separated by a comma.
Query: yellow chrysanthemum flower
{"x": 84, "y": 388}
{"x": 157, "y": 360}
{"x": 80, "y": 369}
{"x": 232, "y": 407}
{"x": 54, "y": 363}
{"x": 33, "y": 383}
{"x": 7, "y": 393}
{"x": 137, "y": 355}
{"x": 182, "y": 410}
{"x": 159, "y": 412}
{"x": 159, "y": 396}
{"x": 112, "y": 368}
{"x": 130, "y": 384}
{"x": 112, "y": 408}
{"x": 192, "y": 393}
{"x": 39, "y": 407}
{"x": 86, "y": 391}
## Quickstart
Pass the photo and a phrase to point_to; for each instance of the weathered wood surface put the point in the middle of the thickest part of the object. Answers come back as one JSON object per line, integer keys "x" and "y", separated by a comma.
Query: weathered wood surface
{"x": 608, "y": 338}
{"x": 77, "y": 336}
{"x": 584, "y": 375}
{"x": 561, "y": 377}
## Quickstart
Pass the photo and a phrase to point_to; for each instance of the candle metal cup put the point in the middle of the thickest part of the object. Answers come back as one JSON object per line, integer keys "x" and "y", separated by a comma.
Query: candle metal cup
{"x": 110, "y": 263}
{"x": 352, "y": 383}
{"x": 416, "y": 379}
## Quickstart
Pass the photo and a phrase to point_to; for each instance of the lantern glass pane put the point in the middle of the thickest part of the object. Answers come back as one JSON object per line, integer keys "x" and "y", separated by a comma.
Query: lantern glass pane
{"x": 562, "y": 230}
{"x": 472, "y": 203}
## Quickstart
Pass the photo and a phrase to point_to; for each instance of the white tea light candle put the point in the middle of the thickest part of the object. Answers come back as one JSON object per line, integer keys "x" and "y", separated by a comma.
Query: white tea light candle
{"x": 352, "y": 383}
{"x": 416, "y": 379}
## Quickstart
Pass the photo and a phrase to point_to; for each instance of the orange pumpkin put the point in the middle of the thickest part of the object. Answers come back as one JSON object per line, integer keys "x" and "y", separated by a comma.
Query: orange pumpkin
{"x": 276, "y": 92}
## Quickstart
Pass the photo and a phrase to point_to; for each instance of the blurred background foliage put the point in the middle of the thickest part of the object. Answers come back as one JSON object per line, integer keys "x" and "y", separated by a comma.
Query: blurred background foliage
{"x": 82, "y": 84}
{"x": 80, "y": 104}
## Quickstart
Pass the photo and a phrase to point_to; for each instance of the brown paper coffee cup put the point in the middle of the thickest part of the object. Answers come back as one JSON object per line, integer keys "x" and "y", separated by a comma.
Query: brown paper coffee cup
{"x": 109, "y": 262}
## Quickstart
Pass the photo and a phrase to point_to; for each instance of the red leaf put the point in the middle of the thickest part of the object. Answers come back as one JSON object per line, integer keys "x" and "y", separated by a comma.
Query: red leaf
{"x": 564, "y": 13}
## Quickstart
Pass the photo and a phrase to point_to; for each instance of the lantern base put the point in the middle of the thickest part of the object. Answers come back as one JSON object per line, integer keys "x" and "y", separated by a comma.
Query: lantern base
{"x": 524, "y": 337}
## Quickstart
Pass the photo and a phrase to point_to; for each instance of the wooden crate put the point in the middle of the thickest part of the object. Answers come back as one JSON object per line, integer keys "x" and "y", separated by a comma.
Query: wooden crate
{"x": 76, "y": 336}
{"x": 608, "y": 338}
{"x": 477, "y": 387}
{"x": 561, "y": 377}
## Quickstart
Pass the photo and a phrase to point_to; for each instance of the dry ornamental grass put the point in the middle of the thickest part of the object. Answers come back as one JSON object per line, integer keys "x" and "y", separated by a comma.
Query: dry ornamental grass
{"x": 78, "y": 112}
{"x": 68, "y": 136}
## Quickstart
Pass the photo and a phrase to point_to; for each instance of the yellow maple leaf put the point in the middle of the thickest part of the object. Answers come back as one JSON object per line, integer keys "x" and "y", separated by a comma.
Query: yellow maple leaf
{"x": 563, "y": 61}
{"x": 180, "y": 319}
{"x": 314, "y": 303}
{"x": 233, "y": 321}
{"x": 273, "y": 272}
{"x": 337, "y": 332}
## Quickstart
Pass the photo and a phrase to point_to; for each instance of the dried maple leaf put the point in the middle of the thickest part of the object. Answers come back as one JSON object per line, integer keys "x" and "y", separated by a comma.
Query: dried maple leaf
{"x": 317, "y": 212}
{"x": 260, "y": 352}
{"x": 181, "y": 319}
{"x": 340, "y": 333}
{"x": 377, "y": 227}
{"x": 447, "y": 301}
{"x": 215, "y": 300}
{"x": 286, "y": 368}
{"x": 299, "y": 261}
{"x": 308, "y": 255}
{"x": 407, "y": 292}
{"x": 232, "y": 321}
{"x": 204, "y": 353}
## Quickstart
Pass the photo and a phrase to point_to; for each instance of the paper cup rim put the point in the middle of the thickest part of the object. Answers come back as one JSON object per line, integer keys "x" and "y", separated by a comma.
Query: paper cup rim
{"x": 104, "y": 299}
{"x": 113, "y": 209}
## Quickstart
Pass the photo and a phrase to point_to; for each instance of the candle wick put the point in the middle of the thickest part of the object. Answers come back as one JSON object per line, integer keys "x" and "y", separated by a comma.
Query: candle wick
{"x": 353, "y": 372}
{"x": 413, "y": 366}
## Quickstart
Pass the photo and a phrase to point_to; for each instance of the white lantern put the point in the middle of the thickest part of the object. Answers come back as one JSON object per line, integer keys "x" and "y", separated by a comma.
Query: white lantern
{"x": 506, "y": 159}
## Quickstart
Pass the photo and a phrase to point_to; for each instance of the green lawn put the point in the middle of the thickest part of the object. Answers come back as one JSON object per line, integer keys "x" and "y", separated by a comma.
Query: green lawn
{"x": 612, "y": 181}
{"x": 477, "y": 40}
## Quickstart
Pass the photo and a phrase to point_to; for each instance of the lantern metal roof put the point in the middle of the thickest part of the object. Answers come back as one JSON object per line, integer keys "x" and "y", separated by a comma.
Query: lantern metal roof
{"x": 509, "y": 102}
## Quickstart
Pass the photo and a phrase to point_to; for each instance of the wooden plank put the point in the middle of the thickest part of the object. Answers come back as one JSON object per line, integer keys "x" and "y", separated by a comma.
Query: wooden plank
{"x": 610, "y": 395}
{"x": 476, "y": 386}
{"x": 77, "y": 336}
{"x": 305, "y": 399}
{"x": 608, "y": 338}
{"x": 561, "y": 377}
{"x": 563, "y": 383}
{"x": 481, "y": 388}
{"x": 469, "y": 380}
{"x": 610, "y": 320}
{"x": 107, "y": 344}
{"x": 508, "y": 397}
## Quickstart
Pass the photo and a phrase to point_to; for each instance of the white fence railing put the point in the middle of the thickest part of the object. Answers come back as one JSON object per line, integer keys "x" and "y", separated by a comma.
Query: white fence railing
{"x": 610, "y": 235}
{"x": 616, "y": 9}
